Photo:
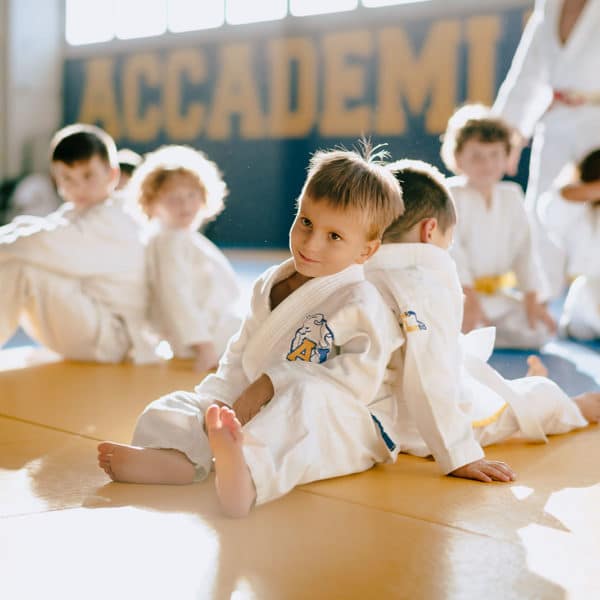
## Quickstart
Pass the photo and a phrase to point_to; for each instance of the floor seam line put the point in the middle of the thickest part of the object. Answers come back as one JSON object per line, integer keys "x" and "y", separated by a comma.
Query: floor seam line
{"x": 51, "y": 427}
{"x": 415, "y": 518}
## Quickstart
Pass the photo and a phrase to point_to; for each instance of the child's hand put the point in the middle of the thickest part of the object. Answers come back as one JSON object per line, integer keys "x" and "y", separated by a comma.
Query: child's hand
{"x": 537, "y": 312}
{"x": 473, "y": 313}
{"x": 206, "y": 357}
{"x": 486, "y": 471}
{"x": 253, "y": 398}
{"x": 581, "y": 191}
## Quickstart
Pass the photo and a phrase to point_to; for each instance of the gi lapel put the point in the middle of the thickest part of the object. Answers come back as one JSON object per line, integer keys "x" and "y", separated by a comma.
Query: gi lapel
{"x": 280, "y": 322}
{"x": 587, "y": 24}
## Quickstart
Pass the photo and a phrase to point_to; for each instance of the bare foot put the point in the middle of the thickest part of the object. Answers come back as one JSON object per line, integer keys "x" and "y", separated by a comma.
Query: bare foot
{"x": 589, "y": 405}
{"x": 536, "y": 367}
{"x": 144, "y": 465}
{"x": 235, "y": 488}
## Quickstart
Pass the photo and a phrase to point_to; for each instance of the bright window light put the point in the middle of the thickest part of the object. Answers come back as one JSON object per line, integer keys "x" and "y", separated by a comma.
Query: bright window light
{"x": 390, "y": 2}
{"x": 301, "y": 8}
{"x": 140, "y": 18}
{"x": 190, "y": 15}
{"x": 238, "y": 12}
{"x": 89, "y": 21}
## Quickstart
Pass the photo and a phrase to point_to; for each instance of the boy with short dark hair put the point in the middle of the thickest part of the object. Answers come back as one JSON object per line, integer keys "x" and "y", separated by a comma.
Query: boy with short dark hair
{"x": 75, "y": 279}
{"x": 450, "y": 401}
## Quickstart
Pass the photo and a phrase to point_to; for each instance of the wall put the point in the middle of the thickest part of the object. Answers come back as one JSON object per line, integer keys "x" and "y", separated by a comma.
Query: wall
{"x": 260, "y": 98}
{"x": 31, "y": 56}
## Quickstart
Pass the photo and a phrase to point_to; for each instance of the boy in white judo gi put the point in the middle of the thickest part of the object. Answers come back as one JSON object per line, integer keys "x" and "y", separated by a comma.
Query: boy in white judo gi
{"x": 312, "y": 352}
{"x": 496, "y": 261}
{"x": 193, "y": 288}
{"x": 75, "y": 279}
{"x": 450, "y": 401}
{"x": 571, "y": 212}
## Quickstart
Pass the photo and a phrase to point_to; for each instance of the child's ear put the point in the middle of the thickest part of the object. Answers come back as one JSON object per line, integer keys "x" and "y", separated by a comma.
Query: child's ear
{"x": 428, "y": 226}
{"x": 115, "y": 173}
{"x": 369, "y": 249}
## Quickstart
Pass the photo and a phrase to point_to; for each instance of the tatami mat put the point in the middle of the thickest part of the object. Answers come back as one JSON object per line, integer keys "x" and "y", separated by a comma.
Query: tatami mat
{"x": 43, "y": 470}
{"x": 563, "y": 474}
{"x": 396, "y": 531}
{"x": 99, "y": 401}
{"x": 302, "y": 546}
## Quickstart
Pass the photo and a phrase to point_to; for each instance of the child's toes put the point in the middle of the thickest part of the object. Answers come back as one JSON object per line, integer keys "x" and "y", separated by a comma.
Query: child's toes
{"x": 212, "y": 417}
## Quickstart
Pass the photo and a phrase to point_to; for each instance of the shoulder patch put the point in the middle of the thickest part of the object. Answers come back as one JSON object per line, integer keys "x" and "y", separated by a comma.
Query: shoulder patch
{"x": 410, "y": 322}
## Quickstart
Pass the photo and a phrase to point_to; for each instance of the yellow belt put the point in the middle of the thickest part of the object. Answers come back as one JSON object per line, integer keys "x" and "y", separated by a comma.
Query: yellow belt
{"x": 495, "y": 283}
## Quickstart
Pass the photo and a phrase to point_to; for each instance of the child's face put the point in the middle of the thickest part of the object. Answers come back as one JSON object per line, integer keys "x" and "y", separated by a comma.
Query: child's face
{"x": 85, "y": 182}
{"x": 178, "y": 201}
{"x": 483, "y": 163}
{"x": 325, "y": 240}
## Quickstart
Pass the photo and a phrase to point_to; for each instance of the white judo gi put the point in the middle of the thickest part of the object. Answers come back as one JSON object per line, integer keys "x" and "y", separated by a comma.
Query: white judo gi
{"x": 450, "y": 401}
{"x": 76, "y": 282}
{"x": 193, "y": 290}
{"x": 543, "y": 66}
{"x": 325, "y": 348}
{"x": 576, "y": 226}
{"x": 490, "y": 244}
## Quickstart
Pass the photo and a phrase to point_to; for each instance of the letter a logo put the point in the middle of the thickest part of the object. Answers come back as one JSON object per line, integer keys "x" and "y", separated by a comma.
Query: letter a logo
{"x": 303, "y": 351}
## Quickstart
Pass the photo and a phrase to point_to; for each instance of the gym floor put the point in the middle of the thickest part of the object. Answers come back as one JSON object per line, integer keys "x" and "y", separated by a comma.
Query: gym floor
{"x": 396, "y": 531}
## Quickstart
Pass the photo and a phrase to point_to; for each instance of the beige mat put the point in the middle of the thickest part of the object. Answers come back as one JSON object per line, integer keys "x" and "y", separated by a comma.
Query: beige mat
{"x": 396, "y": 531}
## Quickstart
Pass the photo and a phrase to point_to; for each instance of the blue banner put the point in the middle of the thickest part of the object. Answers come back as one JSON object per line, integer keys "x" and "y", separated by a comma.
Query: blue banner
{"x": 258, "y": 105}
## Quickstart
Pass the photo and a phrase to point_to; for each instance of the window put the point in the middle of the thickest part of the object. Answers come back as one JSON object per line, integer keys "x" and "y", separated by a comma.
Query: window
{"x": 91, "y": 21}
{"x": 372, "y": 3}
{"x": 301, "y": 8}
{"x": 248, "y": 11}
{"x": 190, "y": 15}
{"x": 140, "y": 18}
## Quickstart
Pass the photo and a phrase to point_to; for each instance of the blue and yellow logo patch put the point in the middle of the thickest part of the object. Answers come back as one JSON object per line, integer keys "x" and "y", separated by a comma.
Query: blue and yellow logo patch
{"x": 312, "y": 341}
{"x": 410, "y": 322}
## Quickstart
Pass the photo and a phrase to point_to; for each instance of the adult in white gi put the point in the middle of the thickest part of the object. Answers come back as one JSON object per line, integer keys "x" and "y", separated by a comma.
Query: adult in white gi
{"x": 552, "y": 90}
{"x": 450, "y": 401}
{"x": 193, "y": 290}
{"x": 75, "y": 280}
{"x": 576, "y": 226}
{"x": 552, "y": 93}
{"x": 492, "y": 246}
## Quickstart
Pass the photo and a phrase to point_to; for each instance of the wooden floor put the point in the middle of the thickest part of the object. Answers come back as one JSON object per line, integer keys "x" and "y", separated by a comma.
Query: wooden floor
{"x": 397, "y": 531}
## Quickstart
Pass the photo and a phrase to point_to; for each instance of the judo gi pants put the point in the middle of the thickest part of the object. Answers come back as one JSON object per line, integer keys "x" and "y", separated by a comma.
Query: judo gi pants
{"x": 306, "y": 433}
{"x": 54, "y": 310}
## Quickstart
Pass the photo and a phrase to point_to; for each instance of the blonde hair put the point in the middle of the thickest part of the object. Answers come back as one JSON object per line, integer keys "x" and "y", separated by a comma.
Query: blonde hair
{"x": 355, "y": 180}
{"x": 163, "y": 164}
{"x": 472, "y": 122}
{"x": 425, "y": 196}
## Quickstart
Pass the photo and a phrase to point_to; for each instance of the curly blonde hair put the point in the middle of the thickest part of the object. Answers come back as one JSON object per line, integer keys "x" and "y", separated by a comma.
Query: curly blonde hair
{"x": 472, "y": 122}
{"x": 162, "y": 165}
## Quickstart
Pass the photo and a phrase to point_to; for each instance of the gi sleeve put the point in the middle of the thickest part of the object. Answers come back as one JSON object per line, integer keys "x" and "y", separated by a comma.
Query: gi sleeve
{"x": 431, "y": 382}
{"x": 90, "y": 245}
{"x": 185, "y": 315}
{"x": 230, "y": 380}
{"x": 525, "y": 93}
{"x": 525, "y": 262}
